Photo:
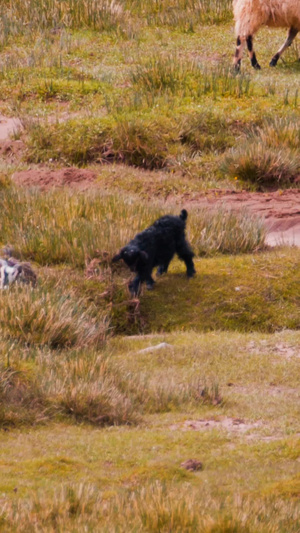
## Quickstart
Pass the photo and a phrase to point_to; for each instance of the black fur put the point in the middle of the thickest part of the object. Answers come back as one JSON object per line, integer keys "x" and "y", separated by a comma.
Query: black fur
{"x": 156, "y": 246}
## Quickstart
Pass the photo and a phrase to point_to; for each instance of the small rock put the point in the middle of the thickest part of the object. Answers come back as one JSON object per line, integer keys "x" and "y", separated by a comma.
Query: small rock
{"x": 192, "y": 464}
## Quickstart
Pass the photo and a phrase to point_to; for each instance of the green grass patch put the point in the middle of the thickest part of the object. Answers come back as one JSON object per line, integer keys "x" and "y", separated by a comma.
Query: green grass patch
{"x": 244, "y": 293}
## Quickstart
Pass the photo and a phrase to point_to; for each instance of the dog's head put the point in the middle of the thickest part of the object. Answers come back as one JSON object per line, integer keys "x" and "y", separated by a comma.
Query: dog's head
{"x": 132, "y": 256}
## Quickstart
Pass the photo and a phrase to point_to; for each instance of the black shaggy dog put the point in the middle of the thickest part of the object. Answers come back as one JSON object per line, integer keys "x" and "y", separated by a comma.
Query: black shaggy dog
{"x": 156, "y": 246}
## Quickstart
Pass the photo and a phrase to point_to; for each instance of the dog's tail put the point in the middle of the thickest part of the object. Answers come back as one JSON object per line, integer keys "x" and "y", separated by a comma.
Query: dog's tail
{"x": 184, "y": 214}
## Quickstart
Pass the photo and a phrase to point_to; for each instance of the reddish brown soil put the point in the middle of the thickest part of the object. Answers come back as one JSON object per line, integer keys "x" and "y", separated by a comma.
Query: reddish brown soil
{"x": 8, "y": 126}
{"x": 47, "y": 178}
{"x": 280, "y": 209}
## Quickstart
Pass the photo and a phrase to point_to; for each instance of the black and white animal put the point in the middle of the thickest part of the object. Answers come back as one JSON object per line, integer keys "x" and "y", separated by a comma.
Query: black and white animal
{"x": 12, "y": 271}
{"x": 155, "y": 247}
{"x": 250, "y": 15}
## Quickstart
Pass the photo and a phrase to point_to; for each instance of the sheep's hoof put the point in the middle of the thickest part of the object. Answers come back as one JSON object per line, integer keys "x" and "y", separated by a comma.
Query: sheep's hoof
{"x": 256, "y": 66}
{"x": 273, "y": 61}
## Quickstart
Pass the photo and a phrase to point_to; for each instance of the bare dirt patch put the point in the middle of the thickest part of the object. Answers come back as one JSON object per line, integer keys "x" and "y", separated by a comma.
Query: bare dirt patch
{"x": 235, "y": 425}
{"x": 11, "y": 151}
{"x": 8, "y": 126}
{"x": 45, "y": 179}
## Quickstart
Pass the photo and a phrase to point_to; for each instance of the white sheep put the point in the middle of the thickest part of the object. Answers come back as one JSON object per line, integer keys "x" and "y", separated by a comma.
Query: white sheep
{"x": 250, "y": 15}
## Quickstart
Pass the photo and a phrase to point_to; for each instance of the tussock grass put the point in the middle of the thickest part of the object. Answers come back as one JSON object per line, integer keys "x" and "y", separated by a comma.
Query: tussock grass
{"x": 39, "y": 385}
{"x": 22, "y": 401}
{"x": 207, "y": 131}
{"x": 180, "y": 75}
{"x": 78, "y": 385}
{"x": 226, "y": 231}
{"x": 153, "y": 507}
{"x": 140, "y": 142}
{"x": 34, "y": 316}
{"x": 186, "y": 15}
{"x": 22, "y": 17}
{"x": 146, "y": 140}
{"x": 269, "y": 156}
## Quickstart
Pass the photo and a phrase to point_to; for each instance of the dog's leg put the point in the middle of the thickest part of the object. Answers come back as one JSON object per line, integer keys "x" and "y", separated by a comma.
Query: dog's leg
{"x": 147, "y": 277}
{"x": 185, "y": 253}
{"x": 162, "y": 269}
{"x": 190, "y": 267}
{"x": 135, "y": 286}
{"x": 150, "y": 283}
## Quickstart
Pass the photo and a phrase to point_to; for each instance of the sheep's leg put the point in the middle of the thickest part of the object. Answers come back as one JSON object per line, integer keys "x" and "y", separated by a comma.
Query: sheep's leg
{"x": 252, "y": 55}
{"x": 291, "y": 36}
{"x": 240, "y": 43}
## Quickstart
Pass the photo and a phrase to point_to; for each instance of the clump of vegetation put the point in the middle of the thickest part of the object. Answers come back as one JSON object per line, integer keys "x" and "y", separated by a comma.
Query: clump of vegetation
{"x": 145, "y": 143}
{"x": 35, "y": 316}
{"x": 269, "y": 156}
{"x": 206, "y": 131}
{"x": 22, "y": 401}
{"x": 76, "y": 384}
{"x": 226, "y": 231}
{"x": 155, "y": 506}
{"x": 176, "y": 75}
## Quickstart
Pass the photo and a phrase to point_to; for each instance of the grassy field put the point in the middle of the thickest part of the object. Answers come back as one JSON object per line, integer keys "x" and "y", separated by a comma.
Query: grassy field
{"x": 103, "y": 398}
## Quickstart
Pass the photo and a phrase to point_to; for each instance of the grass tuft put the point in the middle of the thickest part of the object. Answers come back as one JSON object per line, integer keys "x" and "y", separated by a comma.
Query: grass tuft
{"x": 34, "y": 316}
{"x": 269, "y": 156}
